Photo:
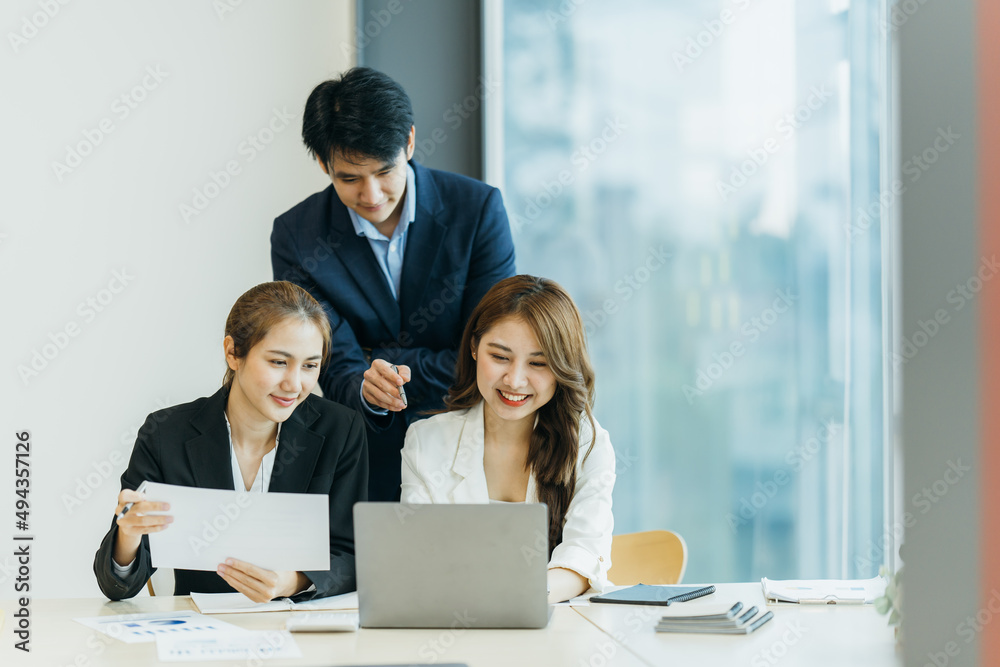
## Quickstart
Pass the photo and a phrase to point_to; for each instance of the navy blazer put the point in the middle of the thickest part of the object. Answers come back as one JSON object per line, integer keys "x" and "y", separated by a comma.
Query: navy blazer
{"x": 321, "y": 450}
{"x": 457, "y": 248}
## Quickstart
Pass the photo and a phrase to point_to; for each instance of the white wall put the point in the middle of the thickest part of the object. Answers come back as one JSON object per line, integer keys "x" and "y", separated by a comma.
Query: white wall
{"x": 65, "y": 235}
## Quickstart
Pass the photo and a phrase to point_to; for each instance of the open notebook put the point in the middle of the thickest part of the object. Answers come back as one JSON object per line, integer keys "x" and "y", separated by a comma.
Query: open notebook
{"x": 237, "y": 603}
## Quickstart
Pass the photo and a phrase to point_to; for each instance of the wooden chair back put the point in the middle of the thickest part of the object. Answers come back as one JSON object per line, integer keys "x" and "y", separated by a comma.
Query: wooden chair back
{"x": 649, "y": 557}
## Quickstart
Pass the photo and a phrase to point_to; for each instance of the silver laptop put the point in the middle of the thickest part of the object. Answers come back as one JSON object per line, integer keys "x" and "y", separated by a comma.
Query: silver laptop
{"x": 452, "y": 566}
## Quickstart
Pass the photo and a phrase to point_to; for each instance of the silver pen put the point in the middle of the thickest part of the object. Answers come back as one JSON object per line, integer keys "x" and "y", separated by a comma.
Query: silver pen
{"x": 128, "y": 506}
{"x": 402, "y": 392}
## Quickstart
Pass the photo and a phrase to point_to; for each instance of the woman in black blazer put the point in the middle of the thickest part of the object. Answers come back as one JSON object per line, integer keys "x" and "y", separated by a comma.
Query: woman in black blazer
{"x": 262, "y": 429}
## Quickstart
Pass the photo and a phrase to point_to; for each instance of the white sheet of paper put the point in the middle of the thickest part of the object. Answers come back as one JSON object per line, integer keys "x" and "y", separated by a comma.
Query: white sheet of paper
{"x": 275, "y": 531}
{"x": 237, "y": 603}
{"x": 250, "y": 646}
{"x": 823, "y": 590}
{"x": 139, "y": 628}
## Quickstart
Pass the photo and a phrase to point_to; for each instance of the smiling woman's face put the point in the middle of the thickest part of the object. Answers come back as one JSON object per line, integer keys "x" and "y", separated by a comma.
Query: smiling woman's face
{"x": 280, "y": 371}
{"x": 512, "y": 372}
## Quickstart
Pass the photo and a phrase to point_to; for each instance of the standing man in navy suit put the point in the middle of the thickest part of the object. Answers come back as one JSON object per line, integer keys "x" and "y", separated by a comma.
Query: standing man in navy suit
{"x": 397, "y": 253}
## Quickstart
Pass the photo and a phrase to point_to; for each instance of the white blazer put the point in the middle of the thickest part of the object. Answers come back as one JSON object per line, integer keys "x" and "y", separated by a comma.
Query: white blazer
{"x": 443, "y": 463}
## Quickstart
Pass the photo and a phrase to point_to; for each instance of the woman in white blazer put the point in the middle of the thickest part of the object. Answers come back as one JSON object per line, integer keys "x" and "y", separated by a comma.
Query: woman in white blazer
{"x": 519, "y": 428}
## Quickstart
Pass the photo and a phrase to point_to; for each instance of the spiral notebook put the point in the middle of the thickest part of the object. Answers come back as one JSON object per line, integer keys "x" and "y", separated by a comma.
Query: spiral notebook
{"x": 656, "y": 595}
{"x": 732, "y": 621}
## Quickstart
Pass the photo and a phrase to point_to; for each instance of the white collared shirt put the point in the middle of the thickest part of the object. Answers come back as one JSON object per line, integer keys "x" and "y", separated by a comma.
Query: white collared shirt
{"x": 389, "y": 251}
{"x": 262, "y": 481}
{"x": 442, "y": 462}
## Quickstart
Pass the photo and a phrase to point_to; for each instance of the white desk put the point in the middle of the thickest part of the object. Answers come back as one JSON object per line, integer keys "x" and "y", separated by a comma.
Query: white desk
{"x": 594, "y": 636}
{"x": 58, "y": 641}
{"x": 808, "y": 635}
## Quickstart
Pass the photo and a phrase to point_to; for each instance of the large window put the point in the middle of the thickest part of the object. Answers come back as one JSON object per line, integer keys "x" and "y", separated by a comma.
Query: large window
{"x": 693, "y": 173}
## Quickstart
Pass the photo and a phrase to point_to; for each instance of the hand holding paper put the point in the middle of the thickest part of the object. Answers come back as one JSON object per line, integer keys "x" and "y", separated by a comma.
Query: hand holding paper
{"x": 261, "y": 585}
{"x": 274, "y": 531}
{"x": 135, "y": 519}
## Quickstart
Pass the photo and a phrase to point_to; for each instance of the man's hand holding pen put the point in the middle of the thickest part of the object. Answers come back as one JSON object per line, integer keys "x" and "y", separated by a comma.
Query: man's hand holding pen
{"x": 383, "y": 385}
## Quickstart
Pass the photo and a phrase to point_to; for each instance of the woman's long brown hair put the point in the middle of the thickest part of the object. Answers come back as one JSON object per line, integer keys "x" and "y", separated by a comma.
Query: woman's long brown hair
{"x": 265, "y": 306}
{"x": 555, "y": 443}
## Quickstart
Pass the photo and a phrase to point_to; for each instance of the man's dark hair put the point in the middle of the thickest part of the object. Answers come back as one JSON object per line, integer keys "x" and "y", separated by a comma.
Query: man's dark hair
{"x": 364, "y": 114}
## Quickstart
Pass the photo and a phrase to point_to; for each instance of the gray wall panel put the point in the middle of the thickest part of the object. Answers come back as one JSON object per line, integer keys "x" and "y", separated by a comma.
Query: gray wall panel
{"x": 433, "y": 48}
{"x": 940, "y": 381}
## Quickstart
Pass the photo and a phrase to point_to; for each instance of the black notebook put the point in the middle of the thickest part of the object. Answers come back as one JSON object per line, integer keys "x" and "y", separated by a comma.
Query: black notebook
{"x": 658, "y": 595}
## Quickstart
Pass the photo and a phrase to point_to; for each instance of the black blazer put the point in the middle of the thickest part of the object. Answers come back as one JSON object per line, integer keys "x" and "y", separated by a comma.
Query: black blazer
{"x": 322, "y": 449}
{"x": 458, "y": 247}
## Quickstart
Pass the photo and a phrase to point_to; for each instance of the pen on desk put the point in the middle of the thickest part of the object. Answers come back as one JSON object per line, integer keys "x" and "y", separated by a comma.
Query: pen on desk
{"x": 402, "y": 392}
